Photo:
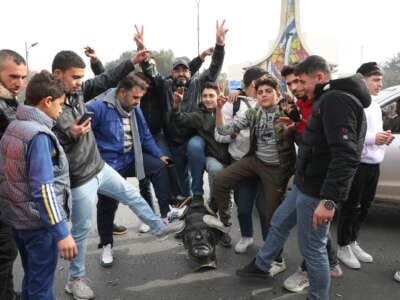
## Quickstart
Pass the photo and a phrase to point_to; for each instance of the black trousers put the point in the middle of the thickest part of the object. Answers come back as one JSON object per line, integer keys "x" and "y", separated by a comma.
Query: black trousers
{"x": 8, "y": 253}
{"x": 354, "y": 211}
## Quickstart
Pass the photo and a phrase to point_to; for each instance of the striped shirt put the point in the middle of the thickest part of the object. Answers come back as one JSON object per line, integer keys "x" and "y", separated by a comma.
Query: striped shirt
{"x": 128, "y": 138}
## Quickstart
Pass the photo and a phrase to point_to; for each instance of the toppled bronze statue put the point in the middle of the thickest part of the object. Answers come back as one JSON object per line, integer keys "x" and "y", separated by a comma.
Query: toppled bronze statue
{"x": 199, "y": 238}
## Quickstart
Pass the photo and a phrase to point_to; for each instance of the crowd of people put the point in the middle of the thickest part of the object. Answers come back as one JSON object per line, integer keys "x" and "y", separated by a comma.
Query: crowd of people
{"x": 71, "y": 143}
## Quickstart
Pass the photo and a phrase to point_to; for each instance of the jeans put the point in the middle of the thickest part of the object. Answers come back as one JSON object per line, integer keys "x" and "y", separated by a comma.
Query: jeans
{"x": 213, "y": 167}
{"x": 39, "y": 253}
{"x": 299, "y": 208}
{"x": 109, "y": 183}
{"x": 156, "y": 170}
{"x": 247, "y": 193}
{"x": 175, "y": 186}
{"x": 190, "y": 158}
{"x": 8, "y": 254}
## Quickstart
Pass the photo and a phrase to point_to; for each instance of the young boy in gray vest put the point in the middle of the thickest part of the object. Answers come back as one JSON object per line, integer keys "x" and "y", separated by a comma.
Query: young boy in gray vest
{"x": 34, "y": 186}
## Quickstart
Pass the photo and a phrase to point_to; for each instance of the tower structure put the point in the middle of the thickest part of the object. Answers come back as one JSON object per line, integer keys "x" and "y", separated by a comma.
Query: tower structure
{"x": 289, "y": 47}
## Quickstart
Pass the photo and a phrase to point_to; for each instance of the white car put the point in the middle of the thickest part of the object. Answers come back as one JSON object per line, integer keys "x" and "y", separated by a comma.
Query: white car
{"x": 389, "y": 180}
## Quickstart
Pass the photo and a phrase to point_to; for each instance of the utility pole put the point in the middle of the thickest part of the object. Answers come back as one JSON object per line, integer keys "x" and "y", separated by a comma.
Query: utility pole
{"x": 27, "y": 53}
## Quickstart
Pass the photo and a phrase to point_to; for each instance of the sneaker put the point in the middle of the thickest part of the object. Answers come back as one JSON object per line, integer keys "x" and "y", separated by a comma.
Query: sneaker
{"x": 214, "y": 222}
{"x": 144, "y": 228}
{"x": 360, "y": 253}
{"x": 172, "y": 227}
{"x": 346, "y": 256}
{"x": 226, "y": 240}
{"x": 297, "y": 282}
{"x": 277, "y": 267}
{"x": 397, "y": 276}
{"x": 119, "y": 229}
{"x": 243, "y": 244}
{"x": 79, "y": 289}
{"x": 176, "y": 213}
{"x": 336, "y": 271}
{"x": 251, "y": 270}
{"x": 107, "y": 258}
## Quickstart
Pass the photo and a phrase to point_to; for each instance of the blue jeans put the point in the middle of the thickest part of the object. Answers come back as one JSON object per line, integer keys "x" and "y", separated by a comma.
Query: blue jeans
{"x": 156, "y": 170}
{"x": 109, "y": 183}
{"x": 190, "y": 158}
{"x": 247, "y": 193}
{"x": 213, "y": 167}
{"x": 299, "y": 208}
{"x": 39, "y": 254}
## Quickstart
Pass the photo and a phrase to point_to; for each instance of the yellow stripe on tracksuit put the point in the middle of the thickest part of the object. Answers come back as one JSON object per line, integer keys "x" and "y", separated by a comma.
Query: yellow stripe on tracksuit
{"x": 46, "y": 204}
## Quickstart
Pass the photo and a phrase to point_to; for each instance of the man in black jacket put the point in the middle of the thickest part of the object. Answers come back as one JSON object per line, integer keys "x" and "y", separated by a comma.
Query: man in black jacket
{"x": 327, "y": 161}
{"x": 188, "y": 151}
{"x": 12, "y": 74}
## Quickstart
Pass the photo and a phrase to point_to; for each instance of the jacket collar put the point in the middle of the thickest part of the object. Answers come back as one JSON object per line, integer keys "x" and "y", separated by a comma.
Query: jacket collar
{"x": 5, "y": 93}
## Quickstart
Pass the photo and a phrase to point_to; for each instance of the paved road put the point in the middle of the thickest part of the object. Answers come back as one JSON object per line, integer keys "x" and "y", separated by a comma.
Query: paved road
{"x": 149, "y": 268}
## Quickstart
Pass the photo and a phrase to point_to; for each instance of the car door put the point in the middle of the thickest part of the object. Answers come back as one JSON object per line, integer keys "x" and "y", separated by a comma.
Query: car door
{"x": 389, "y": 180}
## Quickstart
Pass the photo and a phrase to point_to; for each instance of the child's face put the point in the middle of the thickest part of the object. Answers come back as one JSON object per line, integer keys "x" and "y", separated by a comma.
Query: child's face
{"x": 55, "y": 107}
{"x": 267, "y": 96}
{"x": 209, "y": 98}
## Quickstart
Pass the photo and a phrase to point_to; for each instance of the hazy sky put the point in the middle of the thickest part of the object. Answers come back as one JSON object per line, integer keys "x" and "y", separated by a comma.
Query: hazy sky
{"x": 354, "y": 30}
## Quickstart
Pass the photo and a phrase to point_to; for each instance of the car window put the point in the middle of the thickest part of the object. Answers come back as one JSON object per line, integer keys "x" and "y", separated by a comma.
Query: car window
{"x": 391, "y": 116}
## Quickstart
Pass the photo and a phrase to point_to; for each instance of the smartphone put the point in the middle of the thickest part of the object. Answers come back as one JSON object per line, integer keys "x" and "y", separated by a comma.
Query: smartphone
{"x": 170, "y": 162}
{"x": 85, "y": 116}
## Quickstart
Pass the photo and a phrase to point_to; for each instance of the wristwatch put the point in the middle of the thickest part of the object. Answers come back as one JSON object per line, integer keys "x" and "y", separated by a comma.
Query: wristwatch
{"x": 329, "y": 204}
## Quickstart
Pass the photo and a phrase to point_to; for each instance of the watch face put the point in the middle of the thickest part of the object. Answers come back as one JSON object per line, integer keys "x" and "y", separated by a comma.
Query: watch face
{"x": 329, "y": 204}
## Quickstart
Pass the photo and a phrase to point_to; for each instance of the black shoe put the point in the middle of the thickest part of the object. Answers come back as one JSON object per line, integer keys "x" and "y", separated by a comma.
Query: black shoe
{"x": 119, "y": 229}
{"x": 251, "y": 270}
{"x": 226, "y": 240}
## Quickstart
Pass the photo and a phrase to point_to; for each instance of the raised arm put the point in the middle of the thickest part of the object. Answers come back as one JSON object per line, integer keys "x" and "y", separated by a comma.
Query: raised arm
{"x": 95, "y": 63}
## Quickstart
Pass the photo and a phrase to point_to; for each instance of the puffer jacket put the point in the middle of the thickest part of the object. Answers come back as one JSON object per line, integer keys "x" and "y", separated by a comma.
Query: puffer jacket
{"x": 333, "y": 139}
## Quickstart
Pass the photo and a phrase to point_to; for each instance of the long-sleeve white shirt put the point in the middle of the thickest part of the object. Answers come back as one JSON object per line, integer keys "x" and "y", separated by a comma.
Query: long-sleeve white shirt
{"x": 372, "y": 153}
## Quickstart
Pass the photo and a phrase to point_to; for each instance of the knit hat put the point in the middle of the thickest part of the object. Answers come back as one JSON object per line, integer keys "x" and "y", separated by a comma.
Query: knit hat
{"x": 369, "y": 68}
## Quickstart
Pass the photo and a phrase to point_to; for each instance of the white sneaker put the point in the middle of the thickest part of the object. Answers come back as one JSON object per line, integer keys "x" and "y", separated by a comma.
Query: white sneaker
{"x": 107, "y": 258}
{"x": 243, "y": 244}
{"x": 346, "y": 256}
{"x": 360, "y": 253}
{"x": 397, "y": 276}
{"x": 277, "y": 267}
{"x": 144, "y": 228}
{"x": 297, "y": 282}
{"x": 79, "y": 289}
{"x": 172, "y": 227}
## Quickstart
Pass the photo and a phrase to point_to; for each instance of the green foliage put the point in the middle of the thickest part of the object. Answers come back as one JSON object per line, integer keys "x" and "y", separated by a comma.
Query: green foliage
{"x": 163, "y": 58}
{"x": 391, "y": 71}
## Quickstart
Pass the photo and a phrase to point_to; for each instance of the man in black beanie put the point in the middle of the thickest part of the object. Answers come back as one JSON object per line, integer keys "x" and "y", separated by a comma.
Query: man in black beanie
{"x": 354, "y": 211}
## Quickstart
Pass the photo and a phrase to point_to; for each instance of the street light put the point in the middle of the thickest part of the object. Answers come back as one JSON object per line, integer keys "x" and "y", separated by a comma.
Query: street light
{"x": 27, "y": 53}
{"x": 198, "y": 26}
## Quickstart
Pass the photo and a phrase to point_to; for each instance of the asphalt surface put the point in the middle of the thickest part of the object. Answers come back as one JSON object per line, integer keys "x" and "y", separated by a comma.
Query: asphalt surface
{"x": 146, "y": 267}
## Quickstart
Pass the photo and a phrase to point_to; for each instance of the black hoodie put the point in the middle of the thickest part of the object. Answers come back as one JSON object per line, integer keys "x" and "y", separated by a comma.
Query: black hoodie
{"x": 333, "y": 139}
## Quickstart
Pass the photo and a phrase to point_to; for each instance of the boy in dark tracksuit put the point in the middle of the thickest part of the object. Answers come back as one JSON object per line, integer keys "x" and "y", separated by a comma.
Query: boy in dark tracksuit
{"x": 34, "y": 186}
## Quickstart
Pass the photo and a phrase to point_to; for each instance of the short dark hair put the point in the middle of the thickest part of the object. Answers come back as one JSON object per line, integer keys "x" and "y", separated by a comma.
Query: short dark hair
{"x": 210, "y": 85}
{"x": 143, "y": 77}
{"x": 251, "y": 74}
{"x": 6, "y": 54}
{"x": 267, "y": 80}
{"x": 312, "y": 64}
{"x": 130, "y": 82}
{"x": 43, "y": 85}
{"x": 66, "y": 59}
{"x": 288, "y": 69}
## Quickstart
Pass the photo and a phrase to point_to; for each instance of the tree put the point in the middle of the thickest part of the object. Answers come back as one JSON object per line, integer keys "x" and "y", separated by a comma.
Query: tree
{"x": 391, "y": 71}
{"x": 163, "y": 59}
